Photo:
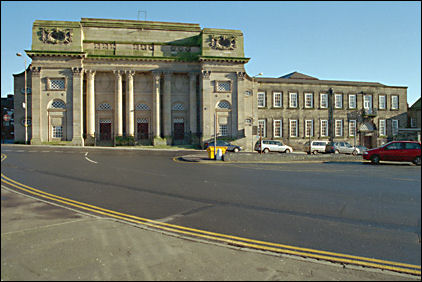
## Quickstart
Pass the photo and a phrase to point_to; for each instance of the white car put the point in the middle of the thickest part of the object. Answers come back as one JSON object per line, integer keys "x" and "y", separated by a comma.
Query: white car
{"x": 272, "y": 146}
{"x": 317, "y": 146}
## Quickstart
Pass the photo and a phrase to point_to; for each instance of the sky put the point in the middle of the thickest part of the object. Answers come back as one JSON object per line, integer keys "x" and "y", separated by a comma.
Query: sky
{"x": 353, "y": 41}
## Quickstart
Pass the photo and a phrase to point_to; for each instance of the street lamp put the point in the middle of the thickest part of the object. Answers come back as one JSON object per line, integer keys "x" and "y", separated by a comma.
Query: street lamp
{"x": 26, "y": 103}
{"x": 259, "y": 127}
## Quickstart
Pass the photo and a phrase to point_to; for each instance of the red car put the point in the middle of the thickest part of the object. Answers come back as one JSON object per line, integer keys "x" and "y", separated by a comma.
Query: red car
{"x": 400, "y": 151}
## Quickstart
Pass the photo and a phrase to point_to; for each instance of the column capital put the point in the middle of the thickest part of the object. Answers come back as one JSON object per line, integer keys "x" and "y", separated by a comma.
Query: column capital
{"x": 206, "y": 74}
{"x": 77, "y": 71}
{"x": 130, "y": 73}
{"x": 36, "y": 71}
{"x": 241, "y": 75}
{"x": 90, "y": 73}
{"x": 118, "y": 73}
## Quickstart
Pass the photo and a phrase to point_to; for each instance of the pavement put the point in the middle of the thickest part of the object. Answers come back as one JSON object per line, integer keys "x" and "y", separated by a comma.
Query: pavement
{"x": 44, "y": 241}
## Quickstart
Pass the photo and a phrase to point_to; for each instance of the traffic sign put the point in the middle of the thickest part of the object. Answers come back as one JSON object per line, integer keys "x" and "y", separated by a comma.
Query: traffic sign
{"x": 6, "y": 117}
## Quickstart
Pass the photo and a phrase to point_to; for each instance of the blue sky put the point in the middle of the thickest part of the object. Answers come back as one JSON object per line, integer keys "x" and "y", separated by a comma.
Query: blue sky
{"x": 355, "y": 41}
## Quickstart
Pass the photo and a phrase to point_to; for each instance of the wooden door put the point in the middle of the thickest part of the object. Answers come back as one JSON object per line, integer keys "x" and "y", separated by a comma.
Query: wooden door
{"x": 105, "y": 131}
{"x": 179, "y": 131}
{"x": 143, "y": 130}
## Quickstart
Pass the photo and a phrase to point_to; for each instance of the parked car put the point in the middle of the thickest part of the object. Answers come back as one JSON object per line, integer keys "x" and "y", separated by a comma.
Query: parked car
{"x": 330, "y": 147}
{"x": 317, "y": 146}
{"x": 272, "y": 146}
{"x": 401, "y": 151}
{"x": 221, "y": 143}
{"x": 345, "y": 148}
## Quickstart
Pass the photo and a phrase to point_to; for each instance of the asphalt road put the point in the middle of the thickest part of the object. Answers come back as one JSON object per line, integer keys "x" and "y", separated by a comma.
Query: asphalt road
{"x": 350, "y": 208}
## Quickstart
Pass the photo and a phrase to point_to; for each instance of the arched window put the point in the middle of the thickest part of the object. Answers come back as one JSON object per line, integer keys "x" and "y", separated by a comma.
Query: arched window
{"x": 58, "y": 104}
{"x": 178, "y": 107}
{"x": 104, "y": 107}
{"x": 224, "y": 105}
{"x": 142, "y": 107}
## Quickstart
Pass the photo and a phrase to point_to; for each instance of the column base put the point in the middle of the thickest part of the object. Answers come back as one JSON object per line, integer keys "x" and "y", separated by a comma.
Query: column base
{"x": 35, "y": 141}
{"x": 90, "y": 141}
{"x": 194, "y": 140}
{"x": 159, "y": 141}
{"x": 78, "y": 141}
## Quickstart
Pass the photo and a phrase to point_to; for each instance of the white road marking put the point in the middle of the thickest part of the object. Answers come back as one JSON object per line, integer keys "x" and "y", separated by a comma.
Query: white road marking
{"x": 89, "y": 159}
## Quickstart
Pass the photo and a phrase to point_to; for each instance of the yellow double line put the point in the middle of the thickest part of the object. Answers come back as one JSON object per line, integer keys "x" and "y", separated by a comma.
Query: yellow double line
{"x": 222, "y": 238}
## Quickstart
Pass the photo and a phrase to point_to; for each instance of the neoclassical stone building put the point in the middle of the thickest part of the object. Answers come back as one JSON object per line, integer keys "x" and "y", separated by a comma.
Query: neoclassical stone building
{"x": 97, "y": 80}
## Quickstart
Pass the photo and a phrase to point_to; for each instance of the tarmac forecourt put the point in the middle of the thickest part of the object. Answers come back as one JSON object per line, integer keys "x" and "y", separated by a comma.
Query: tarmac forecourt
{"x": 215, "y": 237}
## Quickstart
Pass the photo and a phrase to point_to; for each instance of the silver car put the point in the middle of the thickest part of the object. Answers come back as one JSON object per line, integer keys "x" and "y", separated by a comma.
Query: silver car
{"x": 345, "y": 148}
{"x": 273, "y": 146}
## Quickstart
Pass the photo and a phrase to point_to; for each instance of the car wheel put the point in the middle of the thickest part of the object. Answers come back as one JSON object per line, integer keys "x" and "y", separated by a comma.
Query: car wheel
{"x": 266, "y": 150}
{"x": 417, "y": 160}
{"x": 336, "y": 152}
{"x": 236, "y": 150}
{"x": 375, "y": 159}
{"x": 287, "y": 151}
{"x": 315, "y": 152}
{"x": 354, "y": 153}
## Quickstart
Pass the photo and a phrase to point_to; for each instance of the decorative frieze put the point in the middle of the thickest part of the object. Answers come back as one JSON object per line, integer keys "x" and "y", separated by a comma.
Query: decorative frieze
{"x": 56, "y": 35}
{"x": 143, "y": 47}
{"x": 104, "y": 46}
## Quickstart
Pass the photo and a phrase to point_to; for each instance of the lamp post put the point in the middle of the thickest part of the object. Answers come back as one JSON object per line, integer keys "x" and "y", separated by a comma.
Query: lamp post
{"x": 26, "y": 103}
{"x": 259, "y": 128}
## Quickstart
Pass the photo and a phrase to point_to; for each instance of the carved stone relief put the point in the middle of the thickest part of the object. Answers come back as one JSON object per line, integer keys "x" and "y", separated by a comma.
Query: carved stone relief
{"x": 56, "y": 35}
{"x": 222, "y": 42}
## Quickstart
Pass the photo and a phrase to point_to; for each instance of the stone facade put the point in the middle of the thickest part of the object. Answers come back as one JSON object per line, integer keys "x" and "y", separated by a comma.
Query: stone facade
{"x": 98, "y": 80}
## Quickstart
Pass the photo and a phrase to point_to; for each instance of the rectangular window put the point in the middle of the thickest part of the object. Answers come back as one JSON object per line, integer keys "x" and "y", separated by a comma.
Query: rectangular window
{"x": 56, "y": 84}
{"x": 57, "y": 131}
{"x": 309, "y": 128}
{"x": 277, "y": 128}
{"x": 223, "y": 86}
{"x": 324, "y": 128}
{"x": 382, "y": 102}
{"x": 223, "y": 130}
{"x": 323, "y": 102}
{"x": 412, "y": 122}
{"x": 338, "y": 101}
{"x": 367, "y": 102}
{"x": 394, "y": 102}
{"x": 262, "y": 127}
{"x": 395, "y": 127}
{"x": 352, "y": 101}
{"x": 309, "y": 100}
{"x": 261, "y": 99}
{"x": 339, "y": 127}
{"x": 293, "y": 100}
{"x": 352, "y": 128}
{"x": 382, "y": 128}
{"x": 277, "y": 100}
{"x": 293, "y": 128}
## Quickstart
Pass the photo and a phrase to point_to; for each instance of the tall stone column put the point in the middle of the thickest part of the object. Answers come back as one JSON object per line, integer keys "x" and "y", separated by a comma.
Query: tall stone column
{"x": 130, "y": 103}
{"x": 167, "y": 106}
{"x": 90, "y": 106}
{"x": 156, "y": 108}
{"x": 192, "y": 108}
{"x": 118, "y": 129}
{"x": 207, "y": 110}
{"x": 77, "y": 97}
{"x": 36, "y": 106}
